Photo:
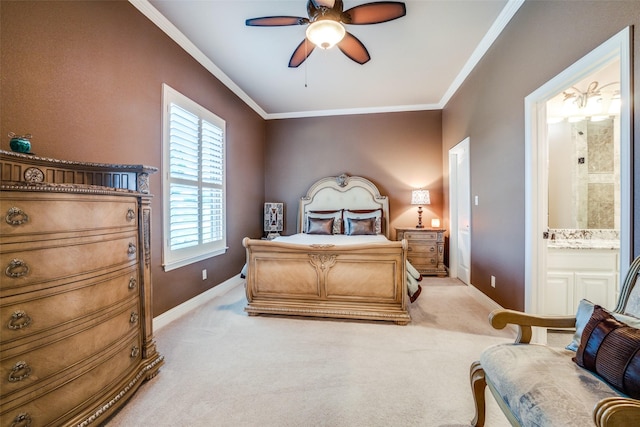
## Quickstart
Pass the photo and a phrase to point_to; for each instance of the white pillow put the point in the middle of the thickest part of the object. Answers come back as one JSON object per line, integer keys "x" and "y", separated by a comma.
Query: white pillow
{"x": 585, "y": 310}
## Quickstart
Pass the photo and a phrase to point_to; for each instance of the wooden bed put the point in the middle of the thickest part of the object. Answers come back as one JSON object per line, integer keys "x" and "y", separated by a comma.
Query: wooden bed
{"x": 365, "y": 281}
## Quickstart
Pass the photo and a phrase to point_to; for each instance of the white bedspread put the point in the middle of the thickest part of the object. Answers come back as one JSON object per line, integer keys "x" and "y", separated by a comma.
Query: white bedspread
{"x": 334, "y": 239}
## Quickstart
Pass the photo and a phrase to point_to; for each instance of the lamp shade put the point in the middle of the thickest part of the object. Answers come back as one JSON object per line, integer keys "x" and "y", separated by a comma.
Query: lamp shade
{"x": 325, "y": 33}
{"x": 420, "y": 197}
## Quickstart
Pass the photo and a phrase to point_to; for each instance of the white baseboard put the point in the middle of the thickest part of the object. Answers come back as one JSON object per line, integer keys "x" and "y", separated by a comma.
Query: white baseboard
{"x": 483, "y": 299}
{"x": 488, "y": 303}
{"x": 180, "y": 310}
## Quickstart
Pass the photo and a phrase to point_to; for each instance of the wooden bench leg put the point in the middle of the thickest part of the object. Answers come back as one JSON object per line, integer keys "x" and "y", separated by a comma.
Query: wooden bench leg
{"x": 478, "y": 385}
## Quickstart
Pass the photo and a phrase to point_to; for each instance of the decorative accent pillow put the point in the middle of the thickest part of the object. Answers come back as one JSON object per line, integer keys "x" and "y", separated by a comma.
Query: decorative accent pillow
{"x": 360, "y": 226}
{"x": 611, "y": 349}
{"x": 583, "y": 314}
{"x": 366, "y": 213}
{"x": 320, "y": 226}
{"x": 336, "y": 214}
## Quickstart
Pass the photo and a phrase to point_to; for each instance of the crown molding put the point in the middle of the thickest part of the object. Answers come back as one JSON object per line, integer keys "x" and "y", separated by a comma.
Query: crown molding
{"x": 495, "y": 30}
{"x": 176, "y": 35}
{"x": 353, "y": 111}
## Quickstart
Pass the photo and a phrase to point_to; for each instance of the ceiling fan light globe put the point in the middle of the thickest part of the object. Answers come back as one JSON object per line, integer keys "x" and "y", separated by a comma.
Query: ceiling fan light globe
{"x": 325, "y": 33}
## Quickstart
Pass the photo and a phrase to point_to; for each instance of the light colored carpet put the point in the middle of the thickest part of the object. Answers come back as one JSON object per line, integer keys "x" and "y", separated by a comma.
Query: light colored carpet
{"x": 224, "y": 368}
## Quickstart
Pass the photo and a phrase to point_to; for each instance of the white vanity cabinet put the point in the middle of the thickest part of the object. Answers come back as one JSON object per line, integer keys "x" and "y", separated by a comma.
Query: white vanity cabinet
{"x": 574, "y": 274}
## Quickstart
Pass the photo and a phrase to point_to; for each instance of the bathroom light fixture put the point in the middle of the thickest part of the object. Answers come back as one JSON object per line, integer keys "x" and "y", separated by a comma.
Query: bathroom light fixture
{"x": 593, "y": 100}
{"x": 580, "y": 98}
{"x": 594, "y": 103}
{"x": 420, "y": 197}
{"x": 325, "y": 33}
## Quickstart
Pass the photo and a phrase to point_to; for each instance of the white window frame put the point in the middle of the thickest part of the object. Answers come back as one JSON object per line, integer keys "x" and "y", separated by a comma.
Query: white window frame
{"x": 176, "y": 258}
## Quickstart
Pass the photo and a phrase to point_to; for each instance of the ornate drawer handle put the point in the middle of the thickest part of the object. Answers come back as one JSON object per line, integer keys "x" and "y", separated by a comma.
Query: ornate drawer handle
{"x": 19, "y": 319}
{"x": 16, "y": 216}
{"x": 21, "y": 420}
{"x": 433, "y": 261}
{"x": 134, "y": 317}
{"x": 17, "y": 268}
{"x": 19, "y": 372}
{"x": 432, "y": 249}
{"x": 132, "y": 249}
{"x": 131, "y": 215}
{"x": 132, "y": 283}
{"x": 135, "y": 351}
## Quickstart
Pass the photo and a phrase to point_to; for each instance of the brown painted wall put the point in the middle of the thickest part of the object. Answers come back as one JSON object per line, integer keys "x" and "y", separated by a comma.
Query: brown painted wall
{"x": 543, "y": 39}
{"x": 85, "y": 78}
{"x": 396, "y": 151}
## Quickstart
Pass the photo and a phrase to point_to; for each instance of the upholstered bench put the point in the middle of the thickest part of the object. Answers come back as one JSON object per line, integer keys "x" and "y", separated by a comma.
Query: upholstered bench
{"x": 595, "y": 381}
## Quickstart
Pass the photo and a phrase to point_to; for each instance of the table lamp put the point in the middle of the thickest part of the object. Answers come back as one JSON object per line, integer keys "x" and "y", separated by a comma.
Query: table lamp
{"x": 273, "y": 219}
{"x": 420, "y": 197}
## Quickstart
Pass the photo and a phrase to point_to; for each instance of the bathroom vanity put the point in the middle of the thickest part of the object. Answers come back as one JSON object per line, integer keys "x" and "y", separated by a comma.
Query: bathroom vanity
{"x": 581, "y": 267}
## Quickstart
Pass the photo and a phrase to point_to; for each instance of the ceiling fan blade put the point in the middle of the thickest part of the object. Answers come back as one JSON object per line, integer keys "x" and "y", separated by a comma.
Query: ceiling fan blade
{"x": 374, "y": 13}
{"x": 301, "y": 53}
{"x": 276, "y": 21}
{"x": 354, "y": 49}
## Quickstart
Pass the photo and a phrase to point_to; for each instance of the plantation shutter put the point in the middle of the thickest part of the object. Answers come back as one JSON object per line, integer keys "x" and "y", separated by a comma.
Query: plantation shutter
{"x": 212, "y": 178}
{"x": 196, "y": 199}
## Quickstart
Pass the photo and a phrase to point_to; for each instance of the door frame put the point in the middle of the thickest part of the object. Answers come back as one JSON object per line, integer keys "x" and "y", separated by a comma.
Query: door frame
{"x": 454, "y": 208}
{"x": 536, "y": 149}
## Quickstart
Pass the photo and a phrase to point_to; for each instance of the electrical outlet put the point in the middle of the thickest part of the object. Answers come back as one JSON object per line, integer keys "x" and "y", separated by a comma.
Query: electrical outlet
{"x": 493, "y": 281}
{"x": 204, "y": 274}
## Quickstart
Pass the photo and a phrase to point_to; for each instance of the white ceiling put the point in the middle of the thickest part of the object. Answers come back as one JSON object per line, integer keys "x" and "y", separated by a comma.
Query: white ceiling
{"x": 417, "y": 61}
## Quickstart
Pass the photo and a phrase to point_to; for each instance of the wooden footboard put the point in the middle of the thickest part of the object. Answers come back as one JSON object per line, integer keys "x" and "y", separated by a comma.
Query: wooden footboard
{"x": 365, "y": 281}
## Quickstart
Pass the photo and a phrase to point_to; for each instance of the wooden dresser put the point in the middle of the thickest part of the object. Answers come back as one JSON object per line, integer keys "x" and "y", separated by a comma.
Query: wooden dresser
{"x": 75, "y": 293}
{"x": 426, "y": 249}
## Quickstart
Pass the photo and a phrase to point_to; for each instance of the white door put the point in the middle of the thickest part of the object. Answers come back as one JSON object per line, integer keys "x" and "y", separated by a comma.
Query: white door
{"x": 460, "y": 212}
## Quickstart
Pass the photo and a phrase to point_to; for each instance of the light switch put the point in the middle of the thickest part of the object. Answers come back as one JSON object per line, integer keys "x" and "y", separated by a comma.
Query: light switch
{"x": 475, "y": 200}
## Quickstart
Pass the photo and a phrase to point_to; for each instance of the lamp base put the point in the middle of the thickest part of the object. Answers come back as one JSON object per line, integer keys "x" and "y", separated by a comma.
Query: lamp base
{"x": 419, "y": 218}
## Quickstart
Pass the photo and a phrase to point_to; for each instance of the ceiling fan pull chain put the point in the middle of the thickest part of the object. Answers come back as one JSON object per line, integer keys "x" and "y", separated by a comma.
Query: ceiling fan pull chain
{"x": 306, "y": 54}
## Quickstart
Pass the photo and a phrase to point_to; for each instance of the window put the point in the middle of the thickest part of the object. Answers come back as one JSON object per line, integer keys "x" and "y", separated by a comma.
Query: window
{"x": 193, "y": 182}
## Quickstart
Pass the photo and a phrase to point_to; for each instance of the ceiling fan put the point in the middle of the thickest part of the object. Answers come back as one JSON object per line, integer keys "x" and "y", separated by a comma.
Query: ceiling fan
{"x": 326, "y": 29}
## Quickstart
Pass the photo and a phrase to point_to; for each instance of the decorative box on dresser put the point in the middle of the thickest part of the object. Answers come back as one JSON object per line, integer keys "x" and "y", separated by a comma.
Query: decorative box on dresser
{"x": 75, "y": 294}
{"x": 425, "y": 249}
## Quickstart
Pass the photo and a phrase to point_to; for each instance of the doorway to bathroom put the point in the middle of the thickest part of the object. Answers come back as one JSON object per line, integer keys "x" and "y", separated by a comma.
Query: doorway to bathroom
{"x": 578, "y": 182}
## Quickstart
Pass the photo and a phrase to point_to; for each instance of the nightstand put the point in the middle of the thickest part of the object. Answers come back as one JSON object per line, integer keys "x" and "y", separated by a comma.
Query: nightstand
{"x": 426, "y": 249}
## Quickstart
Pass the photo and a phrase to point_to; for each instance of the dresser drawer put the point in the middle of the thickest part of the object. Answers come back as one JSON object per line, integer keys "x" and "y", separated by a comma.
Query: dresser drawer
{"x": 28, "y": 365}
{"x": 22, "y": 213}
{"x": 421, "y": 235}
{"x": 420, "y": 262}
{"x": 425, "y": 248}
{"x": 50, "y": 263}
{"x": 25, "y": 317}
{"x": 56, "y": 401}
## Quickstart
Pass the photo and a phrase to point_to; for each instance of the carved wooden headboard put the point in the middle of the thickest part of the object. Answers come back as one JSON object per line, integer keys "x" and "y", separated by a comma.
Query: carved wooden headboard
{"x": 343, "y": 192}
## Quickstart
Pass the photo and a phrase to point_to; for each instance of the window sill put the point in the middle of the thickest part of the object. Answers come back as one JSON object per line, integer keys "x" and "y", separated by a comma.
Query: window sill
{"x": 186, "y": 261}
